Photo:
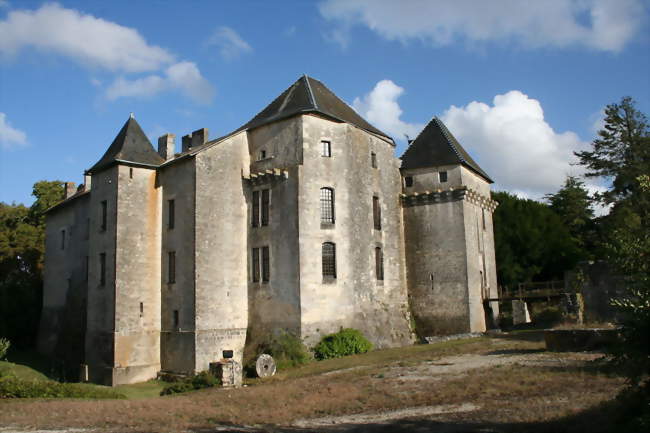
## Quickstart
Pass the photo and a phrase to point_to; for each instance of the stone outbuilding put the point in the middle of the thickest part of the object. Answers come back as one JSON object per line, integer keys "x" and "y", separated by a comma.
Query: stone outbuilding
{"x": 300, "y": 221}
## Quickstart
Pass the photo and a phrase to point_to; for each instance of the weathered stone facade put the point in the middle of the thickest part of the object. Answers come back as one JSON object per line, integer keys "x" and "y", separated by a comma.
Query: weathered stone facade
{"x": 170, "y": 259}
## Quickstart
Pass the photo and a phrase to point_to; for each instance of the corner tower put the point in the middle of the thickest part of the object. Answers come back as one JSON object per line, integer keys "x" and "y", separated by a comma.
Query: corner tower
{"x": 123, "y": 319}
{"x": 449, "y": 240}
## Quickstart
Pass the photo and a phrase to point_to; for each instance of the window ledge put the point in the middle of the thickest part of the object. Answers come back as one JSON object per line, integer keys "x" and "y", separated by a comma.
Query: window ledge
{"x": 327, "y": 226}
{"x": 329, "y": 280}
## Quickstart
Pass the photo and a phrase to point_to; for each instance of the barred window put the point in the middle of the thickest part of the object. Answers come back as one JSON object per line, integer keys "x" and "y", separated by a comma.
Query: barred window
{"x": 329, "y": 259}
{"x": 265, "y": 207}
{"x": 326, "y": 149}
{"x": 379, "y": 264}
{"x": 256, "y": 265}
{"x": 256, "y": 208}
{"x": 408, "y": 181}
{"x": 266, "y": 265}
{"x": 443, "y": 176}
{"x": 171, "y": 267}
{"x": 327, "y": 205}
{"x": 376, "y": 212}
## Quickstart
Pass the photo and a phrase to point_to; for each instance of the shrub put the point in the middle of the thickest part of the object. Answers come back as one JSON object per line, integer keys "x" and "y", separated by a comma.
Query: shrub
{"x": 4, "y": 347}
{"x": 288, "y": 351}
{"x": 12, "y": 387}
{"x": 343, "y": 343}
{"x": 201, "y": 380}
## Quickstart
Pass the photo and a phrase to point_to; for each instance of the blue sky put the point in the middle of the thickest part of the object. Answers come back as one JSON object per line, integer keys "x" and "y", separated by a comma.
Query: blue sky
{"x": 521, "y": 84}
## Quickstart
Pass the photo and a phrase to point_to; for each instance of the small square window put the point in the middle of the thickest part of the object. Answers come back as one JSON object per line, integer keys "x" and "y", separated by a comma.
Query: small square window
{"x": 408, "y": 181}
{"x": 326, "y": 149}
{"x": 443, "y": 176}
{"x": 262, "y": 155}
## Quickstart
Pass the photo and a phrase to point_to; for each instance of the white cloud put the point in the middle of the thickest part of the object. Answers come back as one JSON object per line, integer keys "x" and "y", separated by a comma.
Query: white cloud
{"x": 10, "y": 138}
{"x": 182, "y": 76}
{"x": 600, "y": 24}
{"x": 82, "y": 37}
{"x": 381, "y": 109}
{"x": 513, "y": 143}
{"x": 231, "y": 44}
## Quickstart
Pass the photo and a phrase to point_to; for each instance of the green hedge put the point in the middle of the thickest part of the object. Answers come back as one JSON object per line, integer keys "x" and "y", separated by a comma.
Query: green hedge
{"x": 12, "y": 387}
{"x": 343, "y": 343}
{"x": 202, "y": 380}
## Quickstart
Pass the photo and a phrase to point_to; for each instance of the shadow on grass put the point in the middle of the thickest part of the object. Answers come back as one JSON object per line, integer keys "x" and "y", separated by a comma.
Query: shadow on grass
{"x": 33, "y": 360}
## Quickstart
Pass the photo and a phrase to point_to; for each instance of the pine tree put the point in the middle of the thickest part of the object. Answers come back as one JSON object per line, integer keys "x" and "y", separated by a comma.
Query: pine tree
{"x": 573, "y": 205}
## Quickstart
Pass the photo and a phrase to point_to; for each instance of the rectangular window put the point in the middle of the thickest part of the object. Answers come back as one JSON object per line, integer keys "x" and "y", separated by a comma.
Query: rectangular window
{"x": 326, "y": 148}
{"x": 328, "y": 257}
{"x": 408, "y": 181}
{"x": 63, "y": 239}
{"x": 373, "y": 159}
{"x": 171, "y": 267}
{"x": 483, "y": 213}
{"x": 171, "y": 214}
{"x": 376, "y": 212}
{"x": 379, "y": 264}
{"x": 256, "y": 209}
{"x": 176, "y": 321}
{"x": 265, "y": 206}
{"x": 130, "y": 172}
{"x": 327, "y": 205}
{"x": 256, "y": 265}
{"x": 104, "y": 214}
{"x": 266, "y": 265}
{"x": 443, "y": 176}
{"x": 102, "y": 269}
{"x": 141, "y": 309}
{"x": 262, "y": 155}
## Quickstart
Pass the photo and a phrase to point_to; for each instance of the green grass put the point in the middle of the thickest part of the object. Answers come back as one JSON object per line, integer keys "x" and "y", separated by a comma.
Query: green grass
{"x": 136, "y": 391}
{"x": 20, "y": 371}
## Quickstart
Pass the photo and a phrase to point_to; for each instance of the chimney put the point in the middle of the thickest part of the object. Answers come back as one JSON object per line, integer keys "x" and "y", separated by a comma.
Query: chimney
{"x": 166, "y": 146}
{"x": 87, "y": 179}
{"x": 199, "y": 137}
{"x": 70, "y": 189}
{"x": 187, "y": 142}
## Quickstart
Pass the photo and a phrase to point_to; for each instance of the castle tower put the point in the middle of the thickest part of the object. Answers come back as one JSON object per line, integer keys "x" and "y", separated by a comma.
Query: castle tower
{"x": 123, "y": 312}
{"x": 448, "y": 234}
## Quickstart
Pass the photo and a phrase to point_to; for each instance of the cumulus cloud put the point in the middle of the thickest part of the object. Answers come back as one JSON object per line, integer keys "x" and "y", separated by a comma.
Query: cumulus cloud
{"x": 82, "y": 37}
{"x": 231, "y": 44}
{"x": 599, "y": 24}
{"x": 513, "y": 142}
{"x": 10, "y": 138}
{"x": 380, "y": 108}
{"x": 183, "y": 76}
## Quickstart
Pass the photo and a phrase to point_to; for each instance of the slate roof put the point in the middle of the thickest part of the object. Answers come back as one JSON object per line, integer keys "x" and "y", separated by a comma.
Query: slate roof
{"x": 435, "y": 146}
{"x": 130, "y": 145}
{"x": 308, "y": 95}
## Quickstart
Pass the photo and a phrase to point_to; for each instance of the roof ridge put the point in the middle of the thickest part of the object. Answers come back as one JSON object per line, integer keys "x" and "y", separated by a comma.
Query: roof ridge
{"x": 447, "y": 135}
{"x": 310, "y": 92}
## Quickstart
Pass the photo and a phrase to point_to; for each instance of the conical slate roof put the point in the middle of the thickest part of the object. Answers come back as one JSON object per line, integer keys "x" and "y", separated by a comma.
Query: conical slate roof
{"x": 130, "y": 145}
{"x": 436, "y": 146}
{"x": 308, "y": 95}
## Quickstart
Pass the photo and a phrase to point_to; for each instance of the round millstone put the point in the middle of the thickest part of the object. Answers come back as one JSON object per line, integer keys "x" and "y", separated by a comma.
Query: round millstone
{"x": 265, "y": 365}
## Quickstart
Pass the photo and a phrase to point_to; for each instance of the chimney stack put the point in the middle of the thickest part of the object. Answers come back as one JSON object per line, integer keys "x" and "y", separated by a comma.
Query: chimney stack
{"x": 166, "y": 146}
{"x": 87, "y": 179}
{"x": 199, "y": 137}
{"x": 69, "y": 189}
{"x": 187, "y": 142}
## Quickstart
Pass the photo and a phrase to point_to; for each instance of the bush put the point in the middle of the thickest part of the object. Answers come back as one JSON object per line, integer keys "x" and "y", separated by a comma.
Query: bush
{"x": 288, "y": 351}
{"x": 343, "y": 343}
{"x": 12, "y": 387}
{"x": 201, "y": 380}
{"x": 4, "y": 347}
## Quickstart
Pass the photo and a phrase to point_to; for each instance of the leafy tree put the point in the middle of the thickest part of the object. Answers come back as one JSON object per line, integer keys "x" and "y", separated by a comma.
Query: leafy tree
{"x": 22, "y": 235}
{"x": 531, "y": 242}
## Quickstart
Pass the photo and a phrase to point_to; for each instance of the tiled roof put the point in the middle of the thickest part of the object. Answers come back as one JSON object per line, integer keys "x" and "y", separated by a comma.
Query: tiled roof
{"x": 436, "y": 146}
{"x": 130, "y": 145}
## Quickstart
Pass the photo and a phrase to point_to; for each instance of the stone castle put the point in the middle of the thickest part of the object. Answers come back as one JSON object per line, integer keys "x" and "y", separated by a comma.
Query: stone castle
{"x": 301, "y": 221}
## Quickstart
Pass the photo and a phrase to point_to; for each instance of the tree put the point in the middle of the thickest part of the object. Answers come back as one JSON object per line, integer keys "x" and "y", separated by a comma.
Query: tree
{"x": 22, "y": 244}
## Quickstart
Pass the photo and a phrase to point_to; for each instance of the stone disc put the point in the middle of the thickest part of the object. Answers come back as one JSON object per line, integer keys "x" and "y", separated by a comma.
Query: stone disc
{"x": 265, "y": 365}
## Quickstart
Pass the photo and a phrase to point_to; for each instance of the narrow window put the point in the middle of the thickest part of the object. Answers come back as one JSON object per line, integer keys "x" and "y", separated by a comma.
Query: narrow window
{"x": 376, "y": 212}
{"x": 102, "y": 269}
{"x": 483, "y": 214}
{"x": 171, "y": 214}
{"x": 256, "y": 265}
{"x": 327, "y": 205}
{"x": 256, "y": 208}
{"x": 266, "y": 264}
{"x": 329, "y": 260}
{"x": 141, "y": 309}
{"x": 176, "y": 321}
{"x": 379, "y": 264}
{"x": 86, "y": 268}
{"x": 171, "y": 267}
{"x": 262, "y": 155}
{"x": 104, "y": 209}
{"x": 63, "y": 239}
{"x": 265, "y": 207}
{"x": 326, "y": 148}
{"x": 130, "y": 172}
{"x": 443, "y": 176}
{"x": 408, "y": 181}
{"x": 373, "y": 159}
